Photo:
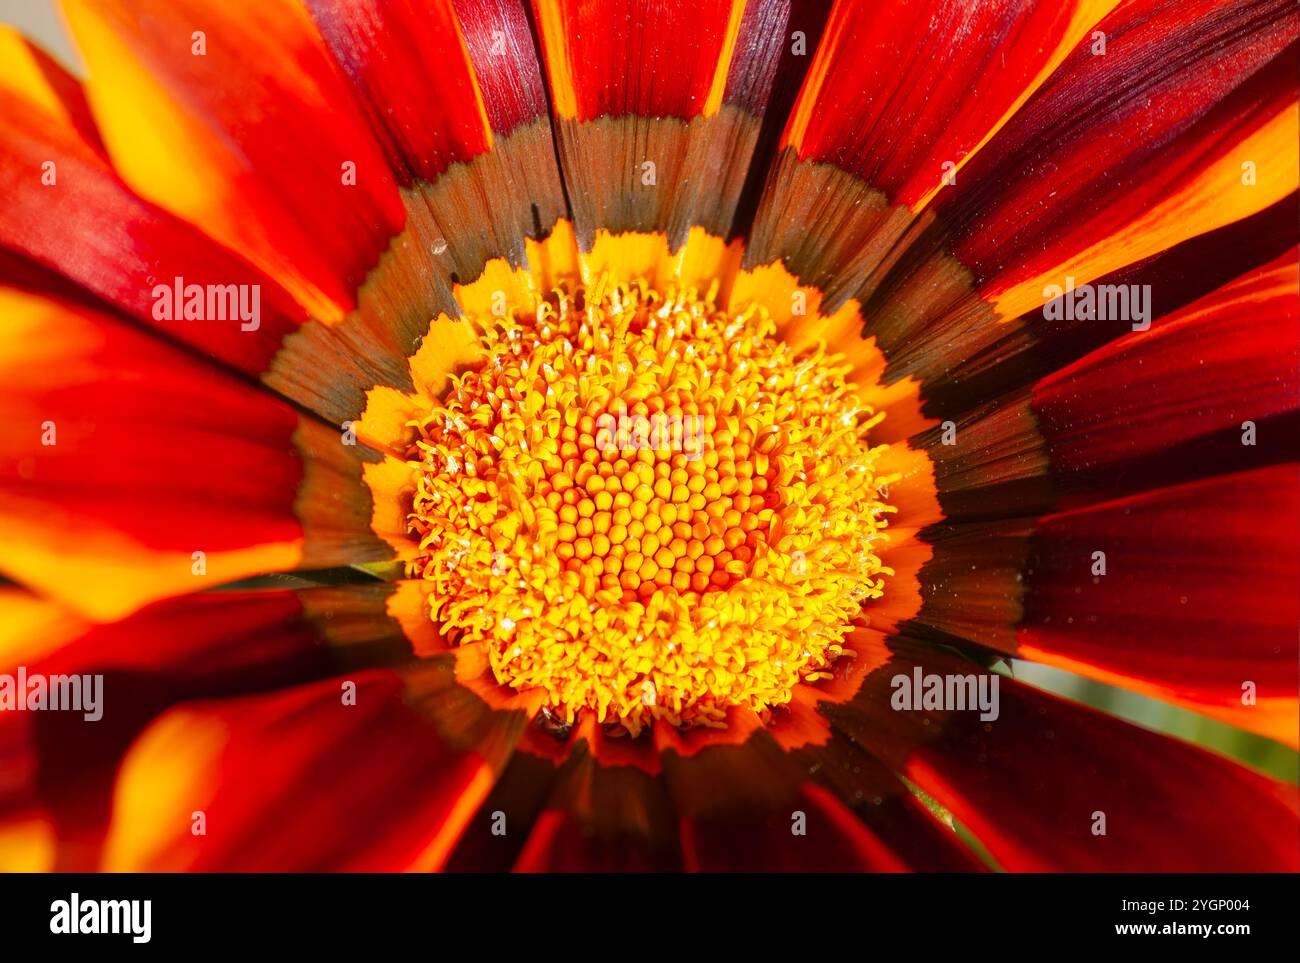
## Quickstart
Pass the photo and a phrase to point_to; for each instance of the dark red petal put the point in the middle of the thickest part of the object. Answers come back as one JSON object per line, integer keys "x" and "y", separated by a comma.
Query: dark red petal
{"x": 973, "y": 582}
{"x": 812, "y": 832}
{"x": 775, "y": 46}
{"x": 235, "y": 119}
{"x": 411, "y": 65}
{"x": 1032, "y": 791}
{"x": 495, "y": 837}
{"x": 28, "y": 628}
{"x": 890, "y": 810}
{"x": 603, "y": 819}
{"x": 506, "y": 61}
{"x": 27, "y": 834}
{"x": 751, "y": 807}
{"x": 990, "y": 462}
{"x": 1076, "y": 166}
{"x": 1228, "y": 358}
{"x": 585, "y": 816}
{"x": 1193, "y": 603}
{"x": 896, "y": 93}
{"x": 1031, "y": 784}
{"x": 1196, "y": 601}
{"x": 1081, "y": 184}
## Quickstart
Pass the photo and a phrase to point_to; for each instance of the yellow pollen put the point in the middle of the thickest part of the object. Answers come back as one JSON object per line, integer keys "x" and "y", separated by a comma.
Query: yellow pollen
{"x": 648, "y": 507}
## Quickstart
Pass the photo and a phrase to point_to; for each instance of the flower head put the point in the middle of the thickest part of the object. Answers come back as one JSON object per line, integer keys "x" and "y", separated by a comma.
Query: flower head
{"x": 654, "y": 424}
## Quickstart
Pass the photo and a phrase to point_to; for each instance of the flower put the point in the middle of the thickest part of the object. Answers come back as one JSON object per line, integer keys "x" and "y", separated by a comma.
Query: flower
{"x": 487, "y": 433}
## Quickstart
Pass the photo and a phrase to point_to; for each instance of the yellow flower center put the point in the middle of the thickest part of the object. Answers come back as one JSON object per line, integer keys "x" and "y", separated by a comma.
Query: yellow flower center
{"x": 648, "y": 507}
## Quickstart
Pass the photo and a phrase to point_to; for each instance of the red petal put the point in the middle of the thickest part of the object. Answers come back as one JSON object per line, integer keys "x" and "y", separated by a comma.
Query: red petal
{"x": 121, "y": 457}
{"x": 296, "y": 781}
{"x": 891, "y": 811}
{"x": 773, "y": 51}
{"x": 657, "y": 135}
{"x": 815, "y": 832}
{"x": 247, "y": 136}
{"x": 199, "y": 646}
{"x": 895, "y": 94}
{"x": 494, "y": 838}
{"x": 27, "y": 833}
{"x": 125, "y": 246}
{"x": 1032, "y": 788}
{"x": 32, "y": 74}
{"x": 627, "y": 56}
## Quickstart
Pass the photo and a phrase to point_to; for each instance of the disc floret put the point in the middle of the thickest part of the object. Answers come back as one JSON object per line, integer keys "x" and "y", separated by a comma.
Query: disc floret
{"x": 648, "y": 506}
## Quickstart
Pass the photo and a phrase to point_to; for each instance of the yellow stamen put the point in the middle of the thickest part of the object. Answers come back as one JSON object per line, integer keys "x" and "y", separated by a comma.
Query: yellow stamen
{"x": 648, "y": 507}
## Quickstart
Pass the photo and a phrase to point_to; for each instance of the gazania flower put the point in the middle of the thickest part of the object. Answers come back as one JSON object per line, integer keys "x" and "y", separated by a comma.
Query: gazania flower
{"x": 641, "y": 435}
